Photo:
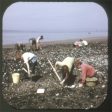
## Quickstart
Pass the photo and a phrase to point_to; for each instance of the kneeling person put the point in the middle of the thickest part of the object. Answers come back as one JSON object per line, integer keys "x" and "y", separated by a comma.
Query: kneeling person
{"x": 87, "y": 71}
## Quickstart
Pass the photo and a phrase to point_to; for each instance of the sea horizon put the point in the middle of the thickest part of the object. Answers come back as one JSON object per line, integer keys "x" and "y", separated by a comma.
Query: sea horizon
{"x": 13, "y": 37}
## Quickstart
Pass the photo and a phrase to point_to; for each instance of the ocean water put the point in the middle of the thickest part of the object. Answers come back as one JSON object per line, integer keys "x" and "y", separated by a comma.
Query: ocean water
{"x": 23, "y": 37}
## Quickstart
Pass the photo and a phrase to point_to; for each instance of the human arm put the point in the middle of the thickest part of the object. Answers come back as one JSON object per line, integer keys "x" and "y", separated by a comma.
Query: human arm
{"x": 28, "y": 68}
{"x": 81, "y": 79}
{"x": 65, "y": 73}
{"x": 66, "y": 77}
{"x": 83, "y": 74}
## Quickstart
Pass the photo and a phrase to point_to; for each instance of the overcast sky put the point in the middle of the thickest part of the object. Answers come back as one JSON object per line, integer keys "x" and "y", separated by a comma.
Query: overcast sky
{"x": 55, "y": 17}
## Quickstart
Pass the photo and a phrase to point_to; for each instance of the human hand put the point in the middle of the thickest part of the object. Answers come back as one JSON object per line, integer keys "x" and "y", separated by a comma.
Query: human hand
{"x": 62, "y": 82}
{"x": 80, "y": 85}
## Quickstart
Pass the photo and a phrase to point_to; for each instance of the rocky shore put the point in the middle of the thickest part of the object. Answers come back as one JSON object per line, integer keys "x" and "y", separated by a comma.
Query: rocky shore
{"x": 24, "y": 95}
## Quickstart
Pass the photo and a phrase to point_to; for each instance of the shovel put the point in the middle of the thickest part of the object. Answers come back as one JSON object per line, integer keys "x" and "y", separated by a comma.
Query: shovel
{"x": 54, "y": 70}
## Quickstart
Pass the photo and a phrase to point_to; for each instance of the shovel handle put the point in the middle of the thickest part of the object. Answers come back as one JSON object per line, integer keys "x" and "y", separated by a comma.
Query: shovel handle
{"x": 54, "y": 70}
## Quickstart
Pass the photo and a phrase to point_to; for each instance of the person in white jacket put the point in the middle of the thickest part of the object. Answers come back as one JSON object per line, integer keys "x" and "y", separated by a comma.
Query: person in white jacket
{"x": 30, "y": 60}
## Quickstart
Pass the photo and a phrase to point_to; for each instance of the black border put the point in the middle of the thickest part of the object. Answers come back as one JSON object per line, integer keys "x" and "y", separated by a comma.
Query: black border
{"x": 106, "y": 105}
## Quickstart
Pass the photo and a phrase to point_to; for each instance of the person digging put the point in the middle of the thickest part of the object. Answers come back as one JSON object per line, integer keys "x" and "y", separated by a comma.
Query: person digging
{"x": 30, "y": 61}
{"x": 87, "y": 73}
{"x": 66, "y": 68}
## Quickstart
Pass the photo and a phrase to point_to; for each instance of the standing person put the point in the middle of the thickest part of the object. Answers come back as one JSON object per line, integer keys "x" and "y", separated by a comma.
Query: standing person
{"x": 38, "y": 42}
{"x": 86, "y": 71}
{"x": 30, "y": 60}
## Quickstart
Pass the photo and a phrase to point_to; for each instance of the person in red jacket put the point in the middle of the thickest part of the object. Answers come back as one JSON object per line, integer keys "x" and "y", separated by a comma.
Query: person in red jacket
{"x": 86, "y": 71}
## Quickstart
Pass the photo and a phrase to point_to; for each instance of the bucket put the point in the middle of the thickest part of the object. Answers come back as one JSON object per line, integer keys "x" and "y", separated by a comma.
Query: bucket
{"x": 15, "y": 78}
{"x": 91, "y": 81}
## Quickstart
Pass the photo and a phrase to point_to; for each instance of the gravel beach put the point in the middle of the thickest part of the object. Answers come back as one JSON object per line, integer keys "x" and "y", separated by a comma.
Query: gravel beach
{"x": 24, "y": 94}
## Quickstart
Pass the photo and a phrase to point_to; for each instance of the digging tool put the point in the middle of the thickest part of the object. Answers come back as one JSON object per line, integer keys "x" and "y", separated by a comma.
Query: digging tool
{"x": 52, "y": 67}
{"x": 25, "y": 70}
{"x": 54, "y": 70}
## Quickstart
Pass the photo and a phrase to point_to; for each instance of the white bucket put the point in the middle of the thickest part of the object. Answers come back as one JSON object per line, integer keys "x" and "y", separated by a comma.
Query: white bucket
{"x": 15, "y": 78}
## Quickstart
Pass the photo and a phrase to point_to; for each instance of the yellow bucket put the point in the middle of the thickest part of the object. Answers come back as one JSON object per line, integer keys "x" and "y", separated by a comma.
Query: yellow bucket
{"x": 15, "y": 78}
{"x": 91, "y": 81}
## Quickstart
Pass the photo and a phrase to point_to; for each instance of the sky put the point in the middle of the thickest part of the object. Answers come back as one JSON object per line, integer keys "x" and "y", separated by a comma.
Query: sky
{"x": 54, "y": 17}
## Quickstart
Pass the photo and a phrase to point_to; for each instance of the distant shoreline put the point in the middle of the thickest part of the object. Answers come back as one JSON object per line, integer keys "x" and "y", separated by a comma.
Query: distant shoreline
{"x": 68, "y": 41}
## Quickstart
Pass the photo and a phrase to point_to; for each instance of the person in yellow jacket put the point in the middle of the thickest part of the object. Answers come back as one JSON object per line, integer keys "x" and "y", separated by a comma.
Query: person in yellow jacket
{"x": 66, "y": 66}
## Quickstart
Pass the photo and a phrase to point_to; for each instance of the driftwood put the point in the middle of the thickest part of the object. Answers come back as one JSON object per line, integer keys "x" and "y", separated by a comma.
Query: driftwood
{"x": 54, "y": 70}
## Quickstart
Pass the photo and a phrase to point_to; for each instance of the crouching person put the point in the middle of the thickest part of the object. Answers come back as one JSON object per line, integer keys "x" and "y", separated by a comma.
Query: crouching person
{"x": 67, "y": 67}
{"x": 86, "y": 71}
{"x": 30, "y": 60}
